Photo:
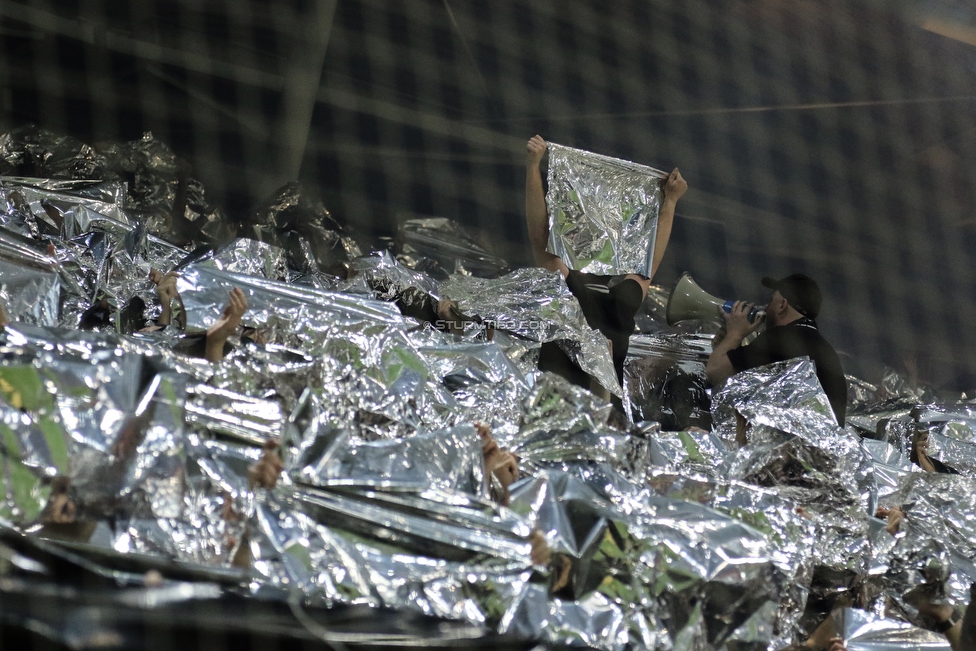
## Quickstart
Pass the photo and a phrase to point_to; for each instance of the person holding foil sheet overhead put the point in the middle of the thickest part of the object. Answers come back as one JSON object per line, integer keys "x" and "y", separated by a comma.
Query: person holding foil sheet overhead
{"x": 609, "y": 303}
{"x": 790, "y": 332}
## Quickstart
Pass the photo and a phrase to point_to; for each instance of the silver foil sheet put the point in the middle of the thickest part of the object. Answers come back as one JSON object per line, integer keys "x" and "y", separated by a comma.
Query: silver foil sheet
{"x": 864, "y": 631}
{"x": 656, "y": 562}
{"x": 226, "y": 413}
{"x": 448, "y": 459}
{"x": 379, "y": 268}
{"x": 951, "y": 441}
{"x": 441, "y": 553}
{"x": 30, "y": 286}
{"x": 891, "y": 466}
{"x": 602, "y": 211}
{"x": 108, "y": 192}
{"x": 691, "y": 451}
{"x": 291, "y": 314}
{"x": 536, "y": 304}
{"x": 664, "y": 380}
{"x": 440, "y": 247}
{"x": 252, "y": 258}
{"x": 934, "y": 552}
{"x": 562, "y": 422}
{"x": 791, "y": 533}
{"x": 660, "y": 539}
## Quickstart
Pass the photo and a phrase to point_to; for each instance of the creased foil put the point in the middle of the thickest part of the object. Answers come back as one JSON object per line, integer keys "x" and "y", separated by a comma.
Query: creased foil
{"x": 935, "y": 549}
{"x": 664, "y": 534}
{"x": 664, "y": 380}
{"x": 562, "y": 422}
{"x": 537, "y": 305}
{"x": 449, "y": 459}
{"x": 951, "y": 433}
{"x": 440, "y": 552}
{"x": 440, "y": 247}
{"x": 655, "y": 563}
{"x": 30, "y": 286}
{"x": 602, "y": 211}
{"x": 251, "y": 257}
{"x": 864, "y": 631}
{"x": 299, "y": 224}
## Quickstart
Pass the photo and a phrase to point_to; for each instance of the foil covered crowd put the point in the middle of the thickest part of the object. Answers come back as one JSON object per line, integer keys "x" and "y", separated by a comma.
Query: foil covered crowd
{"x": 532, "y": 451}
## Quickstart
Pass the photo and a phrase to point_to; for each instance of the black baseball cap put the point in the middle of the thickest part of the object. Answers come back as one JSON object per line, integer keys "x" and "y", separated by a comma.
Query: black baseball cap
{"x": 800, "y": 291}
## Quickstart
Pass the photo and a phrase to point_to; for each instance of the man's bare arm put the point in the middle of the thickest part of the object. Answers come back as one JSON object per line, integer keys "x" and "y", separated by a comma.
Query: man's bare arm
{"x": 674, "y": 188}
{"x": 536, "y": 214}
{"x": 719, "y": 367}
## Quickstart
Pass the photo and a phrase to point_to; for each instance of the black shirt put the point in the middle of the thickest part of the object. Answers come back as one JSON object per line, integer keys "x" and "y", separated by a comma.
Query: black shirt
{"x": 801, "y": 338}
{"x": 609, "y": 304}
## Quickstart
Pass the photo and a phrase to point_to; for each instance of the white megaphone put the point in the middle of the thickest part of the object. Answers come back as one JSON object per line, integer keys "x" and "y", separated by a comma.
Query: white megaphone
{"x": 689, "y": 301}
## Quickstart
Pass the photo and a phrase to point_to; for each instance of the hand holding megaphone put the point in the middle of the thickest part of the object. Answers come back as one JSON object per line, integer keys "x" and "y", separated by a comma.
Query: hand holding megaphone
{"x": 753, "y": 313}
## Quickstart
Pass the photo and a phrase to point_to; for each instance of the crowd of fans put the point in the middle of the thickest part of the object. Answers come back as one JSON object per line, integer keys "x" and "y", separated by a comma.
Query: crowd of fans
{"x": 608, "y": 303}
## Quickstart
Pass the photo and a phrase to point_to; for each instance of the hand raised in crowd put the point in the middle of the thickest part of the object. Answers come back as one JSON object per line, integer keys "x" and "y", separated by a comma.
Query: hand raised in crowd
{"x": 675, "y": 186}
{"x": 166, "y": 291}
{"x": 536, "y": 149}
{"x": 226, "y": 325}
{"x": 894, "y": 516}
{"x": 265, "y": 471}
{"x": 737, "y": 322}
{"x": 501, "y": 464}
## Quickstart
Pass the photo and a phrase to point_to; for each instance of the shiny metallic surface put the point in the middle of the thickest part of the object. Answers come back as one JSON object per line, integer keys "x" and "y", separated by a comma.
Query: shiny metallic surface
{"x": 864, "y": 631}
{"x": 536, "y": 304}
{"x": 602, "y": 211}
{"x": 723, "y": 518}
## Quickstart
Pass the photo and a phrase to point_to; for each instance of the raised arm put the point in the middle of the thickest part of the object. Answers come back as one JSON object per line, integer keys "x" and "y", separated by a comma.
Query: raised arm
{"x": 536, "y": 214}
{"x": 674, "y": 188}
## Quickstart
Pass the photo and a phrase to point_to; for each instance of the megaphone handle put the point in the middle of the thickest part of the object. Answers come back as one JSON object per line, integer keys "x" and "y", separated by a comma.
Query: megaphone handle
{"x": 754, "y": 313}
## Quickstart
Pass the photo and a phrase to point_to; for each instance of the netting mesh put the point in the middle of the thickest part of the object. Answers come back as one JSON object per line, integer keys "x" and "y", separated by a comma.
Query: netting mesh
{"x": 826, "y": 137}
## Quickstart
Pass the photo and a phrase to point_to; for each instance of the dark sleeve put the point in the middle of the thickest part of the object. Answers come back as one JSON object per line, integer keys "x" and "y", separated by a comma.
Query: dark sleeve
{"x": 759, "y": 353}
{"x": 574, "y": 280}
{"x": 943, "y": 468}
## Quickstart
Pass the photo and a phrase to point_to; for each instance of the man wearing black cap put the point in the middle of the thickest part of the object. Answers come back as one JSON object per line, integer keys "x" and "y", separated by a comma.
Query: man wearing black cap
{"x": 790, "y": 332}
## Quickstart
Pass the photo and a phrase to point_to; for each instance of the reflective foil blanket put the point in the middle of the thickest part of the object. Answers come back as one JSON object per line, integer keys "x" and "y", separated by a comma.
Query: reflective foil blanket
{"x": 602, "y": 211}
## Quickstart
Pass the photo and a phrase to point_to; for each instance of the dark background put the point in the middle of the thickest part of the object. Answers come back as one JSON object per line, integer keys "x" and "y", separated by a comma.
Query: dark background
{"x": 831, "y": 137}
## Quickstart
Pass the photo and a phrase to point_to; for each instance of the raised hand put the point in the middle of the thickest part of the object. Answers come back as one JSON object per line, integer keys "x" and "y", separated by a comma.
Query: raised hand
{"x": 535, "y": 150}
{"x": 675, "y": 186}
{"x": 226, "y": 325}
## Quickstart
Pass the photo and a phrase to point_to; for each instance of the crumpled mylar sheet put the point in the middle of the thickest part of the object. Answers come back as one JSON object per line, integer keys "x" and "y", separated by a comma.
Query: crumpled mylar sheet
{"x": 439, "y": 247}
{"x": 661, "y": 539}
{"x": 251, "y": 257}
{"x": 537, "y": 305}
{"x": 30, "y": 286}
{"x": 951, "y": 433}
{"x": 796, "y": 448}
{"x": 562, "y": 422}
{"x": 444, "y": 553}
{"x": 651, "y": 568}
{"x": 450, "y": 459}
{"x": 864, "y": 631}
{"x": 664, "y": 380}
{"x": 934, "y": 551}
{"x": 602, "y": 211}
